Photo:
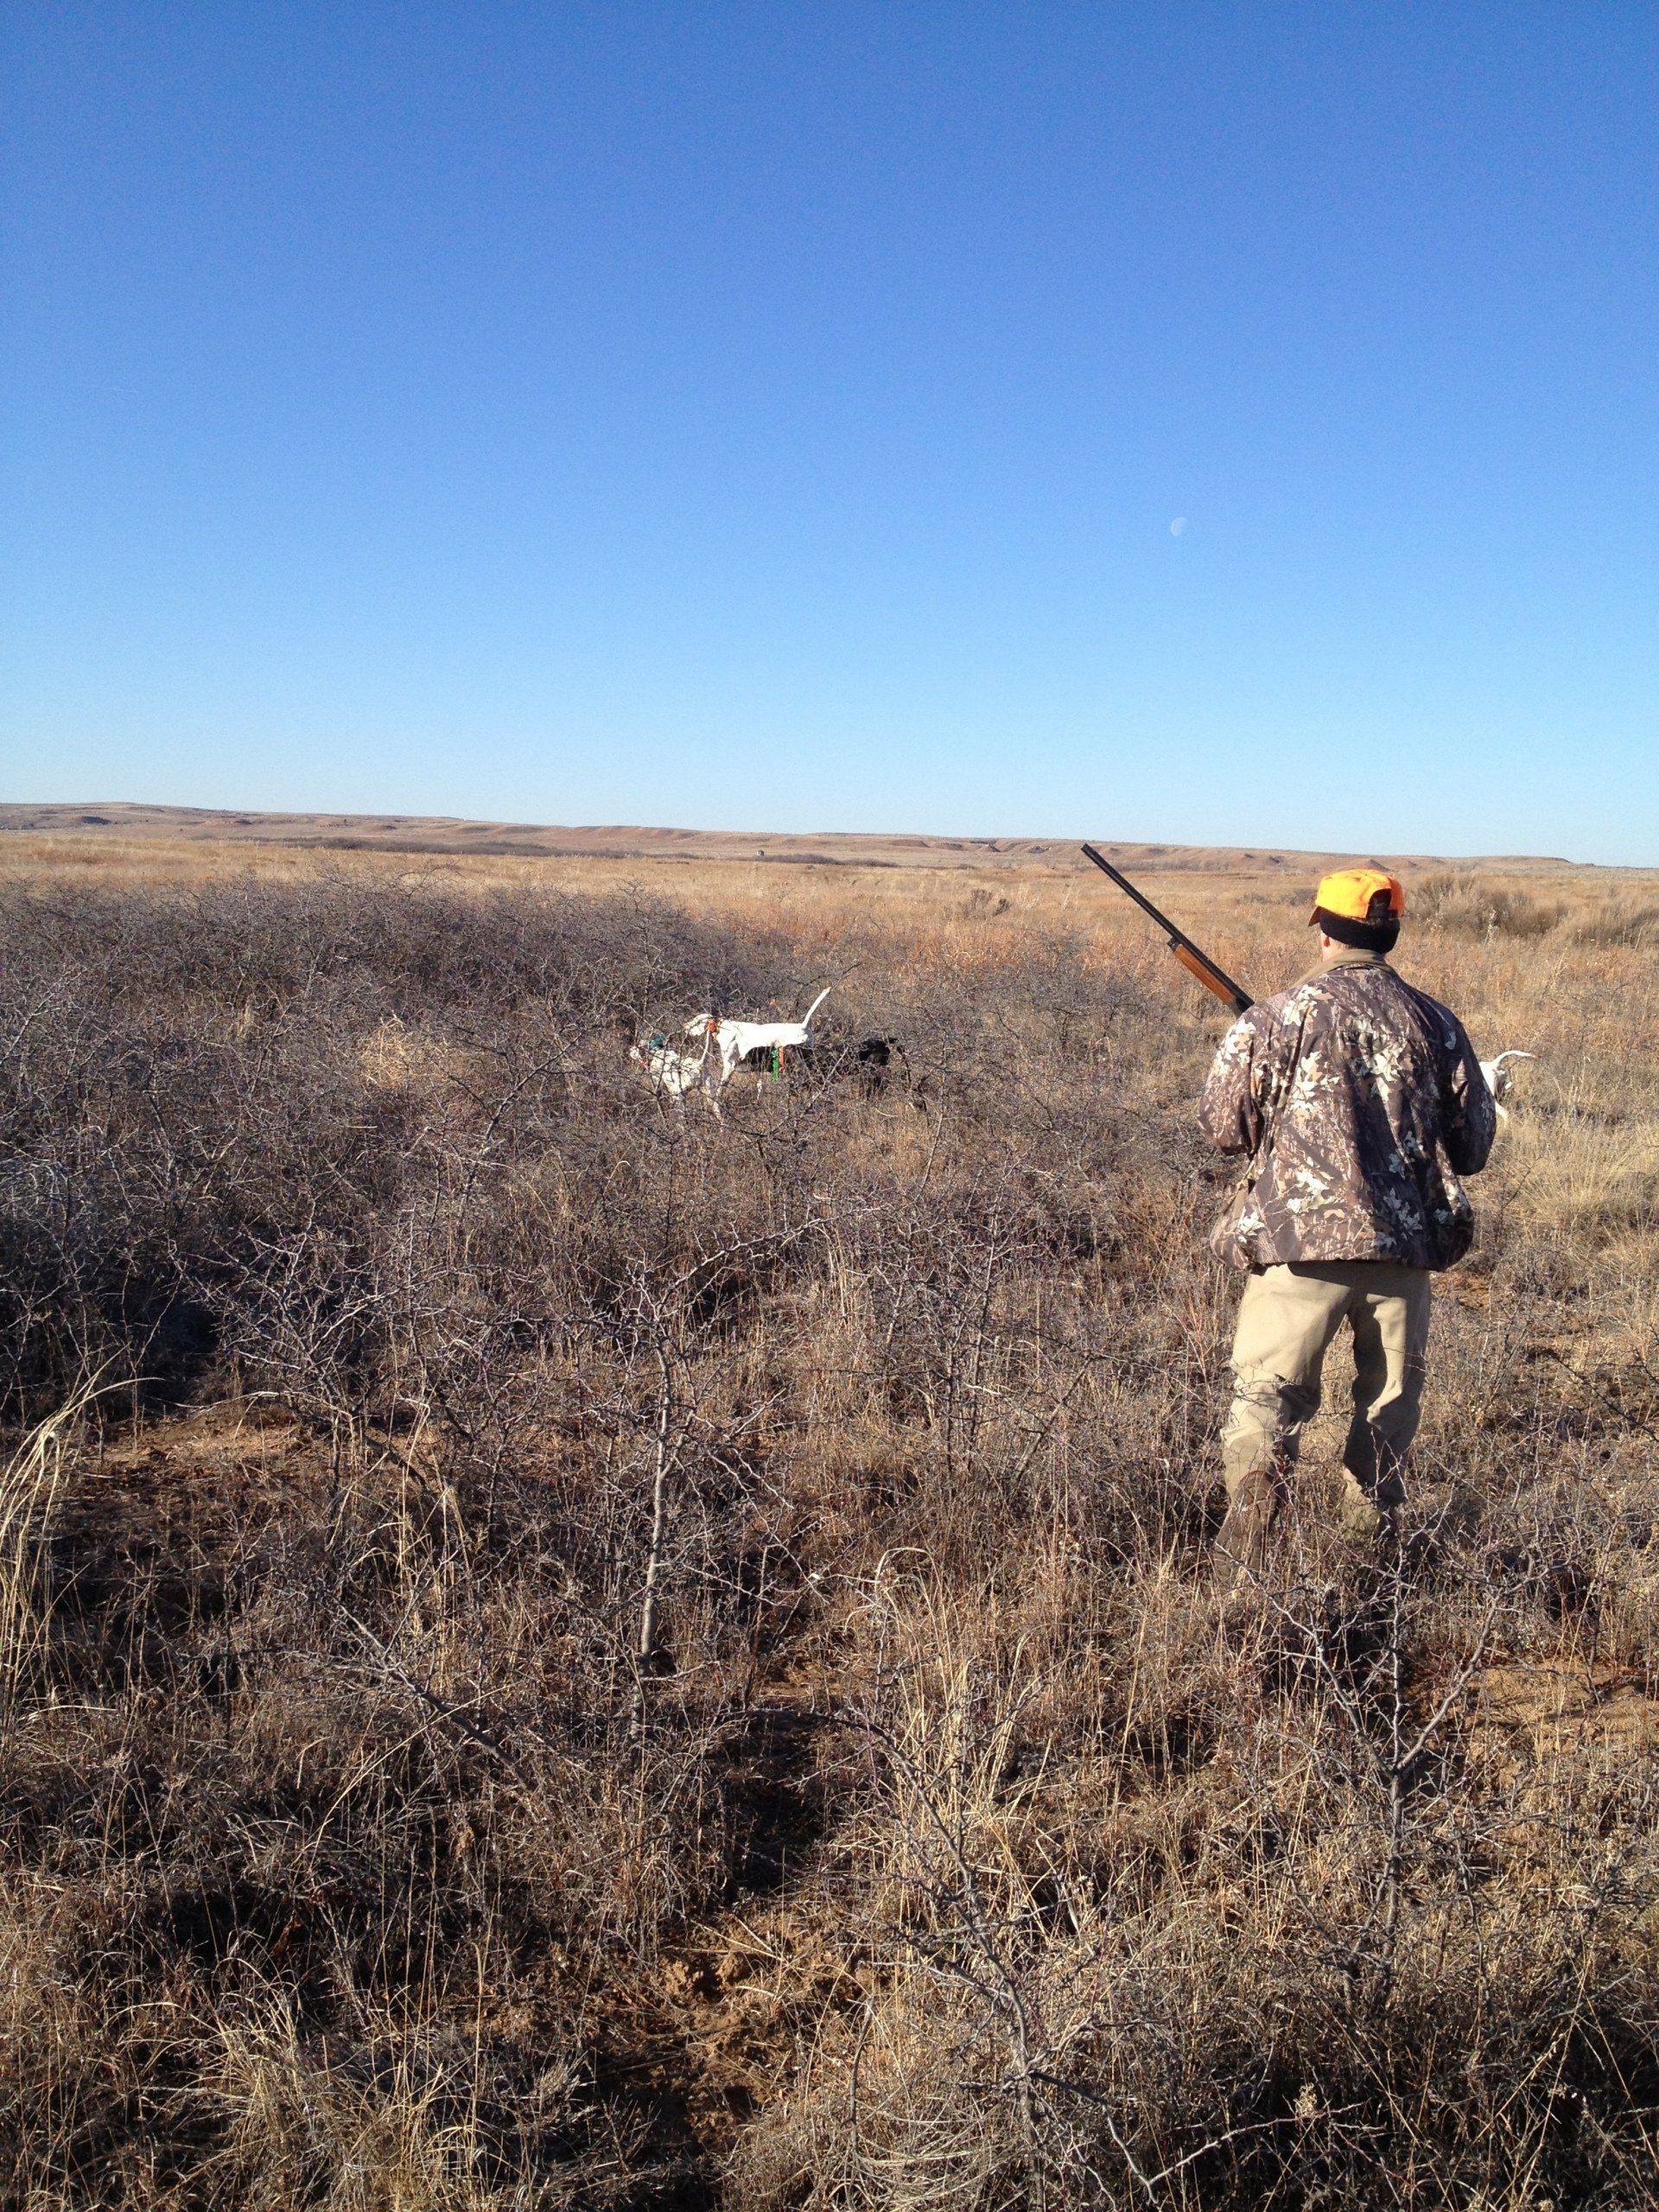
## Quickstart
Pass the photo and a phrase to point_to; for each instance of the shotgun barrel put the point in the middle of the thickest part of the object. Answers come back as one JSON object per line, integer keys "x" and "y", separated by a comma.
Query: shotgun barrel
{"x": 1196, "y": 963}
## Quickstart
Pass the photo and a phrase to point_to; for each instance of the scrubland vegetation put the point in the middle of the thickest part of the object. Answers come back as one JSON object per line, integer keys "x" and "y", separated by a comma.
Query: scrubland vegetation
{"x": 554, "y": 1651}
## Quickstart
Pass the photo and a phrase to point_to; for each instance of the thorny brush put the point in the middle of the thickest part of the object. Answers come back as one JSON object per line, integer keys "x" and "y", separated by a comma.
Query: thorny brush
{"x": 580, "y": 1655}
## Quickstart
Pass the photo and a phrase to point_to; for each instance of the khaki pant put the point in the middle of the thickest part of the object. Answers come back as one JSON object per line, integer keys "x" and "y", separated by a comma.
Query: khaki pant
{"x": 1286, "y": 1322}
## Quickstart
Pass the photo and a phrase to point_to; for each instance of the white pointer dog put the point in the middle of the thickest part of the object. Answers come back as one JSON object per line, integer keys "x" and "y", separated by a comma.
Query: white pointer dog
{"x": 677, "y": 1074}
{"x": 735, "y": 1040}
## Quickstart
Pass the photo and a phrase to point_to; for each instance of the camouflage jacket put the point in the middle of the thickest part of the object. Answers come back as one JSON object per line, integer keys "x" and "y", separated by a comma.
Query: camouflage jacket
{"x": 1360, "y": 1103}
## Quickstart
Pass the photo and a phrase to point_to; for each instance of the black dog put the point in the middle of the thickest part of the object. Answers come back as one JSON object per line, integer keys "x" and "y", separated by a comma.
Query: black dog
{"x": 876, "y": 1058}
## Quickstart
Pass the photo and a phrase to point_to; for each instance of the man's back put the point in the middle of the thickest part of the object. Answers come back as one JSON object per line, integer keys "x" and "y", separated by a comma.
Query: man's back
{"x": 1362, "y": 1102}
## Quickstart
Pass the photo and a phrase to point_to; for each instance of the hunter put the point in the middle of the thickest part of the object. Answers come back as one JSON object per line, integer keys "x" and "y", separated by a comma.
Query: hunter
{"x": 1359, "y": 1102}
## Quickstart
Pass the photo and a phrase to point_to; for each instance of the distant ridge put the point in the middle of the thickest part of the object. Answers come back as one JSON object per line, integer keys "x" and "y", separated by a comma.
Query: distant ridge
{"x": 420, "y": 833}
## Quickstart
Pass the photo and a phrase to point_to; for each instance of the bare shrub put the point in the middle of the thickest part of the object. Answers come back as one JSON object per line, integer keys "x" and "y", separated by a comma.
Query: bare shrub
{"x": 1465, "y": 904}
{"x": 585, "y": 1656}
{"x": 1622, "y": 922}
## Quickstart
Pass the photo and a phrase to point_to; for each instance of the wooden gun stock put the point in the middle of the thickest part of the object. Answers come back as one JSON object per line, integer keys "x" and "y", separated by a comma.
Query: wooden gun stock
{"x": 1195, "y": 962}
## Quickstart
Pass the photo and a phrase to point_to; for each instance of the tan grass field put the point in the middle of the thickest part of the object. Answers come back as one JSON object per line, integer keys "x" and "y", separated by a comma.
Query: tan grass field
{"x": 935, "y": 1845}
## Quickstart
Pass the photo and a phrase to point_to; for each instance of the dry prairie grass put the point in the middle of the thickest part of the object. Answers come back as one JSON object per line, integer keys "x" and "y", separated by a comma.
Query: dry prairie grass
{"x": 933, "y": 1846}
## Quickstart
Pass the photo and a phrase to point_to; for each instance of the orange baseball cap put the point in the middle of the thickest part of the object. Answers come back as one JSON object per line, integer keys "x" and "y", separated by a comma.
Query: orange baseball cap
{"x": 1350, "y": 892}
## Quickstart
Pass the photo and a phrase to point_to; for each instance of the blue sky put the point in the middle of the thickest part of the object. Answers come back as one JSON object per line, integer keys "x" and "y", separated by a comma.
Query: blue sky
{"x": 778, "y": 417}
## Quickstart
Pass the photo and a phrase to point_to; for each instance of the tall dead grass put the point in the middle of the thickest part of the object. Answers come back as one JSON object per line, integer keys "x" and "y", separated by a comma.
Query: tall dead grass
{"x": 583, "y": 1656}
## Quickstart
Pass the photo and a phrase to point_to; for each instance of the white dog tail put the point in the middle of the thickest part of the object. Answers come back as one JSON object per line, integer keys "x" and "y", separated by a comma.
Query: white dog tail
{"x": 806, "y": 1019}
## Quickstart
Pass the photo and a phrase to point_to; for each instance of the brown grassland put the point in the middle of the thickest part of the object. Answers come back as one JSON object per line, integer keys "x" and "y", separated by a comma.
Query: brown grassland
{"x": 558, "y": 1652}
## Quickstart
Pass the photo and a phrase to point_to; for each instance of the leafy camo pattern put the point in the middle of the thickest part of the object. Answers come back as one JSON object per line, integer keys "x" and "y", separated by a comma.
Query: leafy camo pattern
{"x": 1360, "y": 1103}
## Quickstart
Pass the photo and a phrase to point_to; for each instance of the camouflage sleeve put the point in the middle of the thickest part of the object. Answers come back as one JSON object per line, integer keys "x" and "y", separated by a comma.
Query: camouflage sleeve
{"x": 1468, "y": 1110}
{"x": 1228, "y": 1113}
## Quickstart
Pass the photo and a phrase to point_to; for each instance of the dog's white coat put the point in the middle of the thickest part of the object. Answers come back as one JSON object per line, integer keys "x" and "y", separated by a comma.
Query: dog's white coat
{"x": 677, "y": 1074}
{"x": 735, "y": 1040}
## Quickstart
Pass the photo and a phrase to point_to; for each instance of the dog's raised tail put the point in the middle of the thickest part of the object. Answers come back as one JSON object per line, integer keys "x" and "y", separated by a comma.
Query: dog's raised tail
{"x": 806, "y": 1019}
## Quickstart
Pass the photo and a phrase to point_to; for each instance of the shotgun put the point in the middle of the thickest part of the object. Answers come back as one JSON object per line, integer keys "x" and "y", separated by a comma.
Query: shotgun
{"x": 1196, "y": 963}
